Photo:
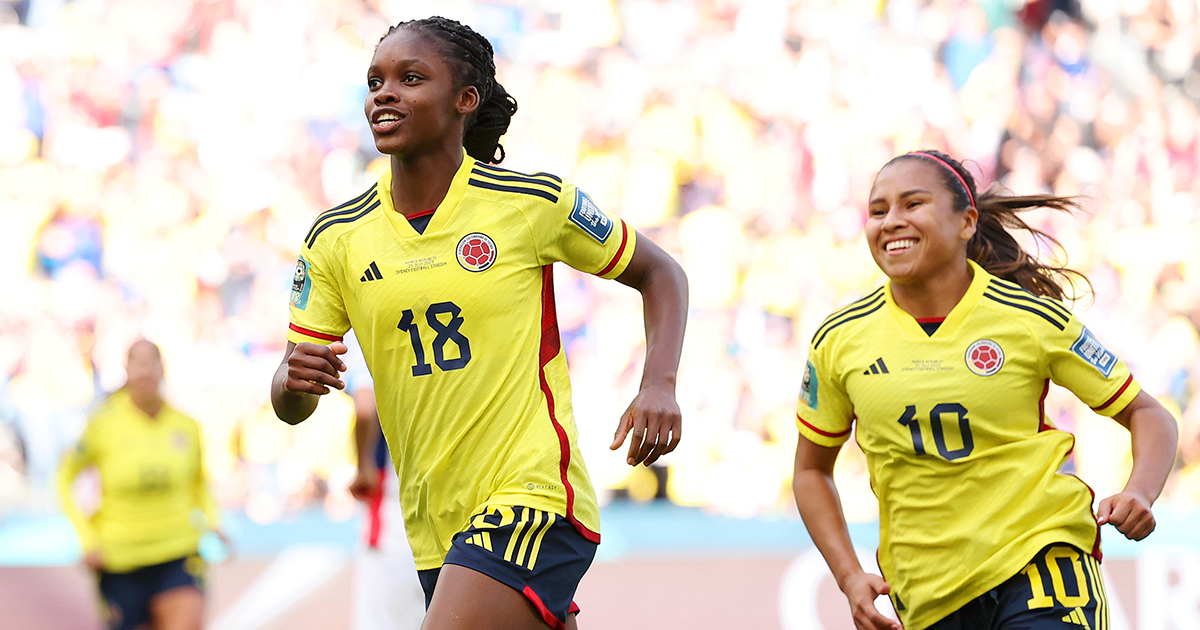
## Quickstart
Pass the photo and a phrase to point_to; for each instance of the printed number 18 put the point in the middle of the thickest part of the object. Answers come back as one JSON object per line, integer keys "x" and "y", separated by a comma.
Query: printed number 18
{"x": 448, "y": 331}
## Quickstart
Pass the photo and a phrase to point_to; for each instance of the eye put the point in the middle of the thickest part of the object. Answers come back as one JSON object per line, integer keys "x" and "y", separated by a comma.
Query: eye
{"x": 373, "y": 83}
{"x": 914, "y": 203}
{"x": 411, "y": 77}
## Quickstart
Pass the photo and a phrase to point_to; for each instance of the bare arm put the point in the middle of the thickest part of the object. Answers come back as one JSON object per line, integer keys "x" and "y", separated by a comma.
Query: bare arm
{"x": 821, "y": 508}
{"x": 1155, "y": 439}
{"x": 366, "y": 437}
{"x": 653, "y": 416}
{"x": 307, "y": 371}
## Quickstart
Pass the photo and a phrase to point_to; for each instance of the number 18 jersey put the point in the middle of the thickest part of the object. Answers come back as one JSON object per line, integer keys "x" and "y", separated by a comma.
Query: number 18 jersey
{"x": 961, "y": 456}
{"x": 458, "y": 327}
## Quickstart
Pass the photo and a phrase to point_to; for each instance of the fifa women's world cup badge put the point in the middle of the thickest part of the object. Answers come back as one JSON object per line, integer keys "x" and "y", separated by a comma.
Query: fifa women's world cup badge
{"x": 476, "y": 252}
{"x": 984, "y": 357}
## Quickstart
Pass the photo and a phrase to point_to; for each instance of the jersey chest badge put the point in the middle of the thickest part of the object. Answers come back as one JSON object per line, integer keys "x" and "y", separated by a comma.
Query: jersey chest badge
{"x": 476, "y": 252}
{"x": 985, "y": 357}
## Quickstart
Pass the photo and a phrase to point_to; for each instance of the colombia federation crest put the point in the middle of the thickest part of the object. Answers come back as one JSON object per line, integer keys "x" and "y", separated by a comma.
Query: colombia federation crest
{"x": 476, "y": 252}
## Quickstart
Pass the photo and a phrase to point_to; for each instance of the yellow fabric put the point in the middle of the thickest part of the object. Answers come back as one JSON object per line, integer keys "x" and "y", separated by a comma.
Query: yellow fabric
{"x": 153, "y": 484}
{"x": 472, "y": 419}
{"x": 968, "y": 514}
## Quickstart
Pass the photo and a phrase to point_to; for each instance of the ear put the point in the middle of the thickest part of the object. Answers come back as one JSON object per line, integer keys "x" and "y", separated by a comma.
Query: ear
{"x": 468, "y": 101}
{"x": 970, "y": 222}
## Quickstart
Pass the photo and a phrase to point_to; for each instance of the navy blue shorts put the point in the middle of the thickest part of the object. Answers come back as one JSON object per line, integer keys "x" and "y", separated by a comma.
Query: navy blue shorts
{"x": 127, "y": 595}
{"x": 539, "y": 554}
{"x": 1060, "y": 589}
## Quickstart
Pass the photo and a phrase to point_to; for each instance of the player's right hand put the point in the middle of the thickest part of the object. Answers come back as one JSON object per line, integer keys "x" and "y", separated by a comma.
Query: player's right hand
{"x": 313, "y": 368}
{"x": 861, "y": 591}
{"x": 366, "y": 484}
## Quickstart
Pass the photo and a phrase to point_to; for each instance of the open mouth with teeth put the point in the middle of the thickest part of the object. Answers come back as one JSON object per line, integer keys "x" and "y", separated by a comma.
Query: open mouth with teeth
{"x": 386, "y": 122}
{"x": 900, "y": 245}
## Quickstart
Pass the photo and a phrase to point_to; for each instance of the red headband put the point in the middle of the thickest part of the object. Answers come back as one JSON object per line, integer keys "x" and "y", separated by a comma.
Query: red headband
{"x": 952, "y": 170}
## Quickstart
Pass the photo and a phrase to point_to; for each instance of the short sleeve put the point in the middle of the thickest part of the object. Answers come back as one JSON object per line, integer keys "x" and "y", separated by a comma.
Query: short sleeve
{"x": 1079, "y": 362}
{"x": 576, "y": 231}
{"x": 318, "y": 312}
{"x": 824, "y": 414}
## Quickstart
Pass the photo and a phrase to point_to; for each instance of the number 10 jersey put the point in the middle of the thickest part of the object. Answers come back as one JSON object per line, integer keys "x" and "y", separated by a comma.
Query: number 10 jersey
{"x": 962, "y": 458}
{"x": 458, "y": 328}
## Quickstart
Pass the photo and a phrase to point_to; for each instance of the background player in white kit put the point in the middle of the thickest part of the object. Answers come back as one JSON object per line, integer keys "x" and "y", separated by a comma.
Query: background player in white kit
{"x": 387, "y": 594}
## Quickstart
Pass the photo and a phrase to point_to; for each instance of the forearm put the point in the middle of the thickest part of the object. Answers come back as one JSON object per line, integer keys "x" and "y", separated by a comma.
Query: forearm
{"x": 1155, "y": 440}
{"x": 821, "y": 508}
{"x": 291, "y": 407}
{"x": 664, "y": 306}
{"x": 66, "y": 475}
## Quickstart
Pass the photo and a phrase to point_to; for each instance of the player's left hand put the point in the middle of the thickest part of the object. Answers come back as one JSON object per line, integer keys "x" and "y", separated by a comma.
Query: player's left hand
{"x": 654, "y": 420}
{"x": 1129, "y": 512}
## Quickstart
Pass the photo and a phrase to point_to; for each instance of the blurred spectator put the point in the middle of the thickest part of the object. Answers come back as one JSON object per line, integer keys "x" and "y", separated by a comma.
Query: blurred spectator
{"x": 161, "y": 161}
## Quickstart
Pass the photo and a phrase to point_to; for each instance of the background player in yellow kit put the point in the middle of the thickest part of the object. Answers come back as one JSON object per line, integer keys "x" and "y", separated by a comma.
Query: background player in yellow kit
{"x": 143, "y": 539}
{"x": 945, "y": 370}
{"x": 443, "y": 268}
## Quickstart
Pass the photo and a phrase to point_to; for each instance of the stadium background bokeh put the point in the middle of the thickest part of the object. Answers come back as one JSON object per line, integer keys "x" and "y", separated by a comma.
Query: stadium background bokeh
{"x": 160, "y": 162}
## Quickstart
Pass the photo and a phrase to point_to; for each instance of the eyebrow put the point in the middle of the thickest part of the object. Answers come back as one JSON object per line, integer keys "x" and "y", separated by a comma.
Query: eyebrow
{"x": 401, "y": 62}
{"x": 907, "y": 193}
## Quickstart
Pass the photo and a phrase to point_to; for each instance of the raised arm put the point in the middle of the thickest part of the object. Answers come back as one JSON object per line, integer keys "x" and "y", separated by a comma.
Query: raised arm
{"x": 307, "y": 371}
{"x": 821, "y": 508}
{"x": 1155, "y": 439}
{"x": 653, "y": 417}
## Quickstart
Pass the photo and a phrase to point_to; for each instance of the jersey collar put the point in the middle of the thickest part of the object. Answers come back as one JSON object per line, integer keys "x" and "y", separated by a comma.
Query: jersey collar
{"x": 909, "y": 324}
{"x": 458, "y": 187}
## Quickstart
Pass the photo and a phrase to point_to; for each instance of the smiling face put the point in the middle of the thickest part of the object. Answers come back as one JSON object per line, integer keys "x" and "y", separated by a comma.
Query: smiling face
{"x": 914, "y": 232}
{"x": 414, "y": 102}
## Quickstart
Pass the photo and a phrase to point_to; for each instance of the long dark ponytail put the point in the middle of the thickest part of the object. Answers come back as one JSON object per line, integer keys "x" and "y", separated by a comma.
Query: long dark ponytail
{"x": 477, "y": 67}
{"x": 993, "y": 246}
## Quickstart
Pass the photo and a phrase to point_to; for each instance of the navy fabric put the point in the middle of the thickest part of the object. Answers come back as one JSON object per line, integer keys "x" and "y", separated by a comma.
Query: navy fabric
{"x": 127, "y": 595}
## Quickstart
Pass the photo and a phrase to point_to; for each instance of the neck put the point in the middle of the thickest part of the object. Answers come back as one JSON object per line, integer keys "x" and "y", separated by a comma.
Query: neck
{"x": 935, "y": 296}
{"x": 150, "y": 403}
{"x": 421, "y": 182}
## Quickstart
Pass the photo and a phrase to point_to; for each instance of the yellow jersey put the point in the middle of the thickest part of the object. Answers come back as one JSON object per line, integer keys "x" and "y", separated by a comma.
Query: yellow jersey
{"x": 154, "y": 496}
{"x": 962, "y": 458}
{"x": 458, "y": 328}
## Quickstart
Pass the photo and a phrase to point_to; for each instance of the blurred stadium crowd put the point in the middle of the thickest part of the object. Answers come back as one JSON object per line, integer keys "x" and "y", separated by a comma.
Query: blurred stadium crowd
{"x": 160, "y": 162}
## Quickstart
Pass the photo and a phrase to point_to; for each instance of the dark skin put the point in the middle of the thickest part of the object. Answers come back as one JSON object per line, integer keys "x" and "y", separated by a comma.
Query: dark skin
{"x": 410, "y": 80}
{"x": 919, "y": 240}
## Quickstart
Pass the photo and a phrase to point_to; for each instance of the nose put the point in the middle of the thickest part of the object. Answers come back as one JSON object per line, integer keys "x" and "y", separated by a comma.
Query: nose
{"x": 892, "y": 220}
{"x": 386, "y": 94}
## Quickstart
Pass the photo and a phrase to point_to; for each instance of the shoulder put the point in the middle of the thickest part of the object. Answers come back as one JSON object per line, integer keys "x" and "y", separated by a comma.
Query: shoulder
{"x": 337, "y": 220}
{"x": 1033, "y": 310}
{"x": 516, "y": 188}
{"x": 850, "y": 317}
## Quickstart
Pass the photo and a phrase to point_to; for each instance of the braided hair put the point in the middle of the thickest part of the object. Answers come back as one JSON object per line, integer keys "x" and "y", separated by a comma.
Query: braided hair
{"x": 473, "y": 57}
{"x": 992, "y": 245}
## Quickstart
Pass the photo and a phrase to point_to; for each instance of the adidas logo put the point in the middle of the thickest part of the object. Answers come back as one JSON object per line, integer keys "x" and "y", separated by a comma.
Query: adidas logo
{"x": 1076, "y": 617}
{"x": 878, "y": 367}
{"x": 372, "y": 273}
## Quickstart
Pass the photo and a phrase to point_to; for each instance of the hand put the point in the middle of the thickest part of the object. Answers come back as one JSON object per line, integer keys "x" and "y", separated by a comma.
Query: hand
{"x": 225, "y": 542}
{"x": 366, "y": 484}
{"x": 93, "y": 560}
{"x": 1129, "y": 512}
{"x": 861, "y": 591}
{"x": 313, "y": 368}
{"x": 656, "y": 423}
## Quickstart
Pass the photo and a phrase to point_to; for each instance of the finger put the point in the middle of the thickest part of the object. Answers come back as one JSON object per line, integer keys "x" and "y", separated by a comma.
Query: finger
{"x": 662, "y": 437}
{"x": 649, "y": 438}
{"x": 1104, "y": 511}
{"x": 1120, "y": 511}
{"x": 338, "y": 348}
{"x": 638, "y": 435}
{"x": 322, "y": 362}
{"x": 622, "y": 430}
{"x": 676, "y": 434}
{"x": 303, "y": 386}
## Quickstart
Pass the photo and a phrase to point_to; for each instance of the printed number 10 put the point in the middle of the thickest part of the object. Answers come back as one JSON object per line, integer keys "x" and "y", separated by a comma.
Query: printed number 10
{"x": 910, "y": 420}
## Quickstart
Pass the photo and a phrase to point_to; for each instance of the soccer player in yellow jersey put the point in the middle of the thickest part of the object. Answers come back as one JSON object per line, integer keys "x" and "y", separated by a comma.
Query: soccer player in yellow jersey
{"x": 443, "y": 268}
{"x": 944, "y": 370}
{"x": 143, "y": 539}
